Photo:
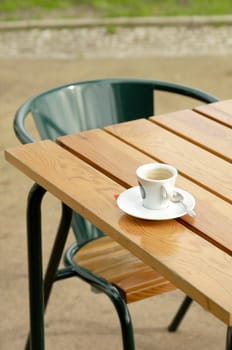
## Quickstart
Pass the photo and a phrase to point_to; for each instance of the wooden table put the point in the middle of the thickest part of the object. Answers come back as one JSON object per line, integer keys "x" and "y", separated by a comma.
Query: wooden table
{"x": 86, "y": 170}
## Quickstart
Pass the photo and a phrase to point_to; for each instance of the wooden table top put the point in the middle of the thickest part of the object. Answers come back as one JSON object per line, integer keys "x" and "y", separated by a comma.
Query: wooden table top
{"x": 86, "y": 171}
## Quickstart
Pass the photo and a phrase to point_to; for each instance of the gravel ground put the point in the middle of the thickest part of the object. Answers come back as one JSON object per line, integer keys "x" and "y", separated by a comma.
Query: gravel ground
{"x": 115, "y": 41}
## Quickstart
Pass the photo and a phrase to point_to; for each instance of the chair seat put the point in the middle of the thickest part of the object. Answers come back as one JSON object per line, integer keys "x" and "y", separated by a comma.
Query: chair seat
{"x": 107, "y": 259}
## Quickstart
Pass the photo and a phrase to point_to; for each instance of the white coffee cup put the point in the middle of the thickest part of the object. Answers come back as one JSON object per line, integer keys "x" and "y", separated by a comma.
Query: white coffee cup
{"x": 156, "y": 181}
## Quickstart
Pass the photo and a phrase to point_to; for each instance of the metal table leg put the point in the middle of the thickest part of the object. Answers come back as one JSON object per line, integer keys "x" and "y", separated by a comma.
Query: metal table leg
{"x": 229, "y": 338}
{"x": 39, "y": 292}
{"x": 35, "y": 269}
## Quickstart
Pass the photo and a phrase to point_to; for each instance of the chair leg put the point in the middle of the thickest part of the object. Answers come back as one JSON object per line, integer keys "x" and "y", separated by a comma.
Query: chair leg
{"x": 103, "y": 286}
{"x": 229, "y": 338}
{"x": 180, "y": 314}
{"x": 57, "y": 251}
{"x": 125, "y": 319}
{"x": 36, "y": 196}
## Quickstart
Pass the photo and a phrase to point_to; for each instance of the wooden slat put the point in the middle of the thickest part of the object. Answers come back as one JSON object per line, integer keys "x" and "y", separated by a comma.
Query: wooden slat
{"x": 219, "y": 111}
{"x": 57, "y": 170}
{"x": 192, "y": 161}
{"x": 117, "y": 160}
{"x": 201, "y": 270}
{"x": 111, "y": 261}
{"x": 202, "y": 131}
{"x": 213, "y": 220}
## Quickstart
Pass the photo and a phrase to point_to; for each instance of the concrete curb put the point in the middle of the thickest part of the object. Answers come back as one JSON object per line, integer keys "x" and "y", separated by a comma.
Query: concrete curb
{"x": 122, "y": 21}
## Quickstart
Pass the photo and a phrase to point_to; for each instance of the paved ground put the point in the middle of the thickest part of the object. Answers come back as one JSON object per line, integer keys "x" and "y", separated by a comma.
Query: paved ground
{"x": 76, "y": 318}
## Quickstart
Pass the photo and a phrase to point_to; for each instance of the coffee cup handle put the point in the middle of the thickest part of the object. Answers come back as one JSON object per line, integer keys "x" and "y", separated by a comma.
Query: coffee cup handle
{"x": 142, "y": 190}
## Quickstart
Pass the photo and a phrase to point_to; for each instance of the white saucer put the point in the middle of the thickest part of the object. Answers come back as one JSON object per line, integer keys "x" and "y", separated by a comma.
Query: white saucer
{"x": 130, "y": 202}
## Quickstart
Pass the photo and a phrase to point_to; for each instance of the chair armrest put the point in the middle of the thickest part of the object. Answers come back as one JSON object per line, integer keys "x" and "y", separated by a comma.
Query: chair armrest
{"x": 19, "y": 121}
{"x": 185, "y": 90}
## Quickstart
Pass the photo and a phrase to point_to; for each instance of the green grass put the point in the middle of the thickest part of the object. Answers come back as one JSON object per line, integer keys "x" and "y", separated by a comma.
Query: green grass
{"x": 113, "y": 8}
{"x": 14, "y": 5}
{"x": 161, "y": 7}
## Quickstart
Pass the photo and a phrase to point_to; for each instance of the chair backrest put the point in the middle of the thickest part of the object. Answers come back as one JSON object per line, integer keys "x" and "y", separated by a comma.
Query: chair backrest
{"x": 93, "y": 104}
{"x": 88, "y": 105}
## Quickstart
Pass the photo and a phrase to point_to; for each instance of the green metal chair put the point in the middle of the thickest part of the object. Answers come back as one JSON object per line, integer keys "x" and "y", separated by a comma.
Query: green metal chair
{"x": 80, "y": 106}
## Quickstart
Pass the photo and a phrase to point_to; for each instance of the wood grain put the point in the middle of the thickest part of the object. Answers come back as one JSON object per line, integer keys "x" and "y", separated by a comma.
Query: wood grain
{"x": 191, "y": 263}
{"x": 213, "y": 220}
{"x": 191, "y": 161}
{"x": 214, "y": 137}
{"x": 106, "y": 153}
{"x": 109, "y": 260}
{"x": 218, "y": 111}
